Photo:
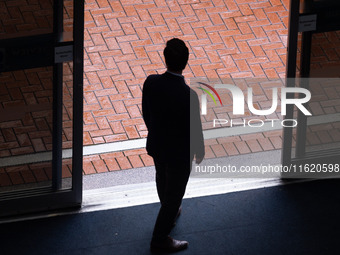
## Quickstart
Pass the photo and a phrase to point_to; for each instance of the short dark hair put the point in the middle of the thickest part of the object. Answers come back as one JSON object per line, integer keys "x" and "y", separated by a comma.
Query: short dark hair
{"x": 176, "y": 54}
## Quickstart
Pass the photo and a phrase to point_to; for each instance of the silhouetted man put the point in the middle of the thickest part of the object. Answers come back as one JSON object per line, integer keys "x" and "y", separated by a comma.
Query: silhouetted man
{"x": 171, "y": 114}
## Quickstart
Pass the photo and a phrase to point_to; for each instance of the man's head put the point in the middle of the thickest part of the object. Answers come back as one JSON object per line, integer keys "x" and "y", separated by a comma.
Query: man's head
{"x": 176, "y": 55}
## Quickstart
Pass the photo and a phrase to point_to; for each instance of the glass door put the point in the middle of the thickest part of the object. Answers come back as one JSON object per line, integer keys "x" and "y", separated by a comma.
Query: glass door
{"x": 313, "y": 146}
{"x": 41, "y": 80}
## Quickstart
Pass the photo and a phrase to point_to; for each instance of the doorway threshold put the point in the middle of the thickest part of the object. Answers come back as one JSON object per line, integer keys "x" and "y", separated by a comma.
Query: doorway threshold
{"x": 135, "y": 187}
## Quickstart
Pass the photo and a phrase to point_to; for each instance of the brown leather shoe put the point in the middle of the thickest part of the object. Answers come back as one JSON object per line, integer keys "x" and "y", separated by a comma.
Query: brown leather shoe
{"x": 168, "y": 245}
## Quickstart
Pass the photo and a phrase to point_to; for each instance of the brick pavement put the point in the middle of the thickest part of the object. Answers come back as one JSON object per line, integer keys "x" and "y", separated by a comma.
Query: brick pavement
{"x": 123, "y": 44}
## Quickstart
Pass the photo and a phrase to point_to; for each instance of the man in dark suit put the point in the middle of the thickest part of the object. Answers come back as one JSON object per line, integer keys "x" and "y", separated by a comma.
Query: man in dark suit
{"x": 171, "y": 114}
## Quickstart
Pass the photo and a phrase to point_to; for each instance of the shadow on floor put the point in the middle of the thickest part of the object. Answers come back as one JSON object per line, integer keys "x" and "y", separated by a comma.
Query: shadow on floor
{"x": 291, "y": 219}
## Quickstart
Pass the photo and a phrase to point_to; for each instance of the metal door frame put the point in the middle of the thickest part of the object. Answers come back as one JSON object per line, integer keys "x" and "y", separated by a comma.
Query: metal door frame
{"x": 42, "y": 199}
{"x": 293, "y": 32}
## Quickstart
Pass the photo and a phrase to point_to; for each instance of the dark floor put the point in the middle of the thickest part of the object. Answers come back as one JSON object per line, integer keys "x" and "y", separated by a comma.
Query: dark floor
{"x": 290, "y": 219}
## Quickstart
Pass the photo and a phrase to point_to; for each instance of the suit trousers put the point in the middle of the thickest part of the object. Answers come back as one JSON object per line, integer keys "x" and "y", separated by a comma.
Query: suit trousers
{"x": 171, "y": 182}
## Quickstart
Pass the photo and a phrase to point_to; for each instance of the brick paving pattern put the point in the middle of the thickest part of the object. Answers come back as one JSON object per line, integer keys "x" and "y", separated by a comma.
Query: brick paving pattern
{"x": 26, "y": 96}
{"x": 325, "y": 99}
{"x": 26, "y": 121}
{"x": 123, "y": 44}
{"x": 23, "y": 18}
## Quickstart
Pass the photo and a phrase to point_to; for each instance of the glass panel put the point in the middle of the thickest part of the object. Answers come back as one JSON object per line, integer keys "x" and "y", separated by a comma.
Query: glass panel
{"x": 323, "y": 130}
{"x": 26, "y": 128}
{"x": 68, "y": 21}
{"x": 67, "y": 124}
{"x": 25, "y": 18}
{"x": 36, "y": 107}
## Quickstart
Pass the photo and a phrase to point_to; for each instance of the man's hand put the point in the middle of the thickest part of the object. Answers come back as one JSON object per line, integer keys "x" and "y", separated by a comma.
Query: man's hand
{"x": 199, "y": 160}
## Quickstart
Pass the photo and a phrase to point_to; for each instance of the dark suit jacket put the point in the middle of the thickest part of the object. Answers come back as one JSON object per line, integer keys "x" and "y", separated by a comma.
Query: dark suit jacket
{"x": 171, "y": 114}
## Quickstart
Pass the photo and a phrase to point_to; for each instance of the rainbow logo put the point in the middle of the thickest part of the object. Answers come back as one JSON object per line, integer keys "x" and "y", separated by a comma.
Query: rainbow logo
{"x": 209, "y": 93}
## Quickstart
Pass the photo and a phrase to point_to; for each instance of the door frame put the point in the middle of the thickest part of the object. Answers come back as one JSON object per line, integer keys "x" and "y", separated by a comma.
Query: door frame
{"x": 301, "y": 158}
{"x": 50, "y": 198}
